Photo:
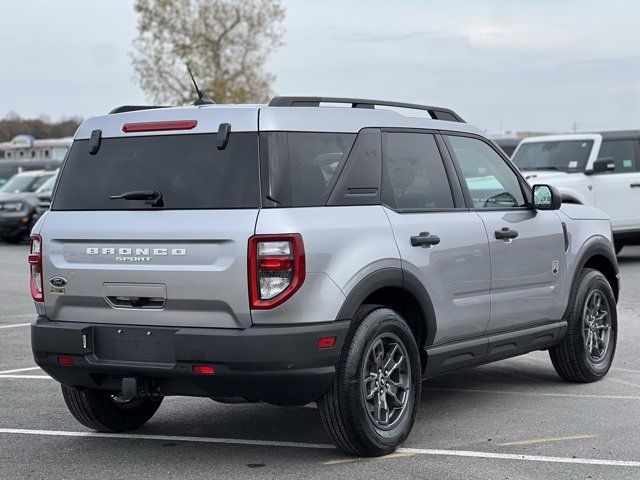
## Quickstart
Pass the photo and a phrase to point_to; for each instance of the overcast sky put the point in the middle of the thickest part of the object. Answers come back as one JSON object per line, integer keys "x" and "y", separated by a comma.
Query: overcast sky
{"x": 535, "y": 65}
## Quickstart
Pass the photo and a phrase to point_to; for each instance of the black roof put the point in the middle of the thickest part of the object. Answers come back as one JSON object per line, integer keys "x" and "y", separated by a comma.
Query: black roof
{"x": 619, "y": 134}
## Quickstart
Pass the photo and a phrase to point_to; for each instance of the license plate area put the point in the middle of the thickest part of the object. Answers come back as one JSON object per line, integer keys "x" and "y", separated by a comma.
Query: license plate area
{"x": 134, "y": 344}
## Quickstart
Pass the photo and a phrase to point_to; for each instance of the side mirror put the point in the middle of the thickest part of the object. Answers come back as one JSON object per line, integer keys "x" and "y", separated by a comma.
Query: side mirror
{"x": 546, "y": 197}
{"x": 602, "y": 165}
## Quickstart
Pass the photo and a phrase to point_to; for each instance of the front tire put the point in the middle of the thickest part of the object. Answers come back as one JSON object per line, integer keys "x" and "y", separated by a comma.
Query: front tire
{"x": 105, "y": 412}
{"x": 587, "y": 350}
{"x": 371, "y": 405}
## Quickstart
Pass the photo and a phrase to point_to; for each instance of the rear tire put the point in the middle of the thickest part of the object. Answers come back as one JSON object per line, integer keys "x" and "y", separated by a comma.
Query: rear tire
{"x": 101, "y": 411}
{"x": 587, "y": 350}
{"x": 361, "y": 417}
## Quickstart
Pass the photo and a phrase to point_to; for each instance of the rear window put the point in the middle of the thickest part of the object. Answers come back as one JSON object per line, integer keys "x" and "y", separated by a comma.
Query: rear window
{"x": 188, "y": 170}
{"x": 301, "y": 168}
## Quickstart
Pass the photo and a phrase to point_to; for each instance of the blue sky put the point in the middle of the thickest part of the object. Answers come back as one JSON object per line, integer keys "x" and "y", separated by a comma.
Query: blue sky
{"x": 527, "y": 65}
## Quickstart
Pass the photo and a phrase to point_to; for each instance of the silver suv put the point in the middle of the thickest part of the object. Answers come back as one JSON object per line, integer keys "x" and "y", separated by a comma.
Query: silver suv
{"x": 298, "y": 252}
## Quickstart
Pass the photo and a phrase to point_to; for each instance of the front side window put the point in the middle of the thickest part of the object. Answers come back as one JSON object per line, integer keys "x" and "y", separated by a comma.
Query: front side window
{"x": 491, "y": 182}
{"x": 562, "y": 155}
{"x": 414, "y": 176}
{"x": 621, "y": 152}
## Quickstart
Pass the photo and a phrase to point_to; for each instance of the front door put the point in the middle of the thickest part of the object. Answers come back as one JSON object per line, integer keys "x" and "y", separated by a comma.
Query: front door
{"x": 617, "y": 192}
{"x": 527, "y": 246}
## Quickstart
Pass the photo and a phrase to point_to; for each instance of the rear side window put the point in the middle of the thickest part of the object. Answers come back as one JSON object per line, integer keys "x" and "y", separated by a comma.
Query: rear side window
{"x": 414, "y": 176}
{"x": 189, "y": 171}
{"x": 301, "y": 168}
{"x": 621, "y": 152}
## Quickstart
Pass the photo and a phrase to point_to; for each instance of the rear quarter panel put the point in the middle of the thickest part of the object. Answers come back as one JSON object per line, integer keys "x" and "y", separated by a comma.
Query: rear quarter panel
{"x": 342, "y": 246}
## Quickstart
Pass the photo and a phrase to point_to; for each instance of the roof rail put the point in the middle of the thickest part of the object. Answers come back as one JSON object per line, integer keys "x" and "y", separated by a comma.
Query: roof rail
{"x": 133, "y": 108}
{"x": 437, "y": 113}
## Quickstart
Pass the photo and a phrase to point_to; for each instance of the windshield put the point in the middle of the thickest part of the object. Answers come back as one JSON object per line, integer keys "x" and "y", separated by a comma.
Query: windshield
{"x": 48, "y": 185}
{"x": 186, "y": 171}
{"x": 564, "y": 155}
{"x": 24, "y": 183}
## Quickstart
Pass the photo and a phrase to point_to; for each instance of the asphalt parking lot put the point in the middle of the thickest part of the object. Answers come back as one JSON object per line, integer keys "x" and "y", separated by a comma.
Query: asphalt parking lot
{"x": 513, "y": 419}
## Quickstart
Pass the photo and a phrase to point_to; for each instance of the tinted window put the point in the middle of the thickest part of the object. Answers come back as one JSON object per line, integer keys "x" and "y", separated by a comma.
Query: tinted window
{"x": 359, "y": 181}
{"x": 189, "y": 171}
{"x": 621, "y": 152}
{"x": 491, "y": 182}
{"x": 565, "y": 155}
{"x": 414, "y": 176}
{"x": 302, "y": 167}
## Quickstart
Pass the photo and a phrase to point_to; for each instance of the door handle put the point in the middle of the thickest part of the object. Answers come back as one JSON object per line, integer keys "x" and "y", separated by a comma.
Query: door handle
{"x": 506, "y": 234}
{"x": 634, "y": 185}
{"x": 424, "y": 239}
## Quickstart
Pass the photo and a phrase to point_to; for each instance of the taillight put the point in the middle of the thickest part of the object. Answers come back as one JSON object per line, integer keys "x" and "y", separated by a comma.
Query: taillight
{"x": 276, "y": 268}
{"x": 35, "y": 267}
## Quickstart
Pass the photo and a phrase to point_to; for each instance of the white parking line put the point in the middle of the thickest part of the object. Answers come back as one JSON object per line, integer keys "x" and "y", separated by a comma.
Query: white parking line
{"x": 515, "y": 456}
{"x": 628, "y": 370}
{"x": 533, "y": 394}
{"x": 320, "y": 446}
{"x": 15, "y": 325}
{"x": 16, "y": 370}
{"x": 164, "y": 438}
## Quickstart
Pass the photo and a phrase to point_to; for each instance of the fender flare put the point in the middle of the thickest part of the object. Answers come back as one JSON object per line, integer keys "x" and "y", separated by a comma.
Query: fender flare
{"x": 570, "y": 198}
{"x": 396, "y": 278}
{"x": 599, "y": 246}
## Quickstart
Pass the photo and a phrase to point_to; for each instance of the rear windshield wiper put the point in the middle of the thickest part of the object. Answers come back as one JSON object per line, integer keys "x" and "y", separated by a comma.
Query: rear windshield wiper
{"x": 151, "y": 197}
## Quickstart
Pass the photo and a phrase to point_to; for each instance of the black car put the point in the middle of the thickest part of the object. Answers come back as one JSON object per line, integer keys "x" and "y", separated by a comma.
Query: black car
{"x": 20, "y": 203}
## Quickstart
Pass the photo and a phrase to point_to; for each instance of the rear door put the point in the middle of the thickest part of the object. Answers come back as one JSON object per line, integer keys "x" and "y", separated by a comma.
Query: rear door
{"x": 441, "y": 243}
{"x": 182, "y": 262}
{"x": 527, "y": 246}
{"x": 617, "y": 192}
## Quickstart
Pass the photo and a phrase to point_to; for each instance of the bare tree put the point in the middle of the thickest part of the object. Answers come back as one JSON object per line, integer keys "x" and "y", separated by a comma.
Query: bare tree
{"x": 225, "y": 42}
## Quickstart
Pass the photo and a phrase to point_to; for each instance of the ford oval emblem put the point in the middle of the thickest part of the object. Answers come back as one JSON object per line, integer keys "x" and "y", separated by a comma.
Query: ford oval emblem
{"x": 58, "y": 282}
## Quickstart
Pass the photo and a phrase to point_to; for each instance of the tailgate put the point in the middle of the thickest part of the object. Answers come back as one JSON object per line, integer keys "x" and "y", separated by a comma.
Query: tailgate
{"x": 163, "y": 267}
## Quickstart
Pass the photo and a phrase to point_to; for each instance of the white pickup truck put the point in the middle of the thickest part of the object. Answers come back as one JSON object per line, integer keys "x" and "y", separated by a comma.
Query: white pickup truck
{"x": 599, "y": 169}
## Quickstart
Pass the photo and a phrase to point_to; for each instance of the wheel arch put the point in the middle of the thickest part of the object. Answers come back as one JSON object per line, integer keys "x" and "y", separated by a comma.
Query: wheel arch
{"x": 570, "y": 198}
{"x": 599, "y": 256}
{"x": 401, "y": 291}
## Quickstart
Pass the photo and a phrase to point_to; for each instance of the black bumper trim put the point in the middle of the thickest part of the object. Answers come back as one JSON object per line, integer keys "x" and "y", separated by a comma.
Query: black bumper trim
{"x": 276, "y": 364}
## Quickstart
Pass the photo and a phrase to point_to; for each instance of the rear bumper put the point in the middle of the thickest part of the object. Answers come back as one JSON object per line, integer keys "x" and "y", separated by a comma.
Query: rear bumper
{"x": 277, "y": 364}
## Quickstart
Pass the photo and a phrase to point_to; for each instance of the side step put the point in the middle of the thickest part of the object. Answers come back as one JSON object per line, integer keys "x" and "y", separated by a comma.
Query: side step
{"x": 452, "y": 356}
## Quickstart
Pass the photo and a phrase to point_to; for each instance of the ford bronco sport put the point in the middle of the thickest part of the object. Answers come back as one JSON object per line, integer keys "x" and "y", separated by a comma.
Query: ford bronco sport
{"x": 298, "y": 252}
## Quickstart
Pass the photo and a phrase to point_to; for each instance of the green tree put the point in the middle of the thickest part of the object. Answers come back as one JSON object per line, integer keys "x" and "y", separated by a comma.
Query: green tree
{"x": 225, "y": 42}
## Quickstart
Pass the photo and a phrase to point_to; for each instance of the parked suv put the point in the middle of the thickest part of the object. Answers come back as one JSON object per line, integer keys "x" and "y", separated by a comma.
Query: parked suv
{"x": 599, "y": 169}
{"x": 18, "y": 201}
{"x": 297, "y": 252}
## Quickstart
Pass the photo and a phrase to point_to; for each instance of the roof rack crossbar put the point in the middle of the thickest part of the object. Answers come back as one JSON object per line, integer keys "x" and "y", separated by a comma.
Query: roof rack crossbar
{"x": 436, "y": 113}
{"x": 133, "y": 108}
